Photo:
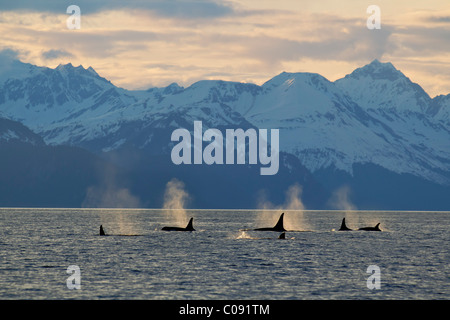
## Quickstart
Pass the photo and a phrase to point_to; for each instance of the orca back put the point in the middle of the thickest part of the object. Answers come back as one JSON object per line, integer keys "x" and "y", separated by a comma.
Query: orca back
{"x": 278, "y": 227}
{"x": 189, "y": 227}
{"x": 376, "y": 228}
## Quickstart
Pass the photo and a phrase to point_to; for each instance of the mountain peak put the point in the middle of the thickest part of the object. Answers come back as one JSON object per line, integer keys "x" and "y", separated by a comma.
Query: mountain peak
{"x": 70, "y": 66}
{"x": 377, "y": 70}
{"x": 64, "y": 66}
{"x": 173, "y": 88}
{"x": 91, "y": 70}
{"x": 288, "y": 79}
{"x": 377, "y": 65}
{"x": 69, "y": 70}
{"x": 381, "y": 85}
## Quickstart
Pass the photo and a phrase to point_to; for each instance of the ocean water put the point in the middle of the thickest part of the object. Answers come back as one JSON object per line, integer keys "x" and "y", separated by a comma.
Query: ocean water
{"x": 220, "y": 260}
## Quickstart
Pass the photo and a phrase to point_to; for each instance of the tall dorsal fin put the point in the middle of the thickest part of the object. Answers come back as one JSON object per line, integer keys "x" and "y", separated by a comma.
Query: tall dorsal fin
{"x": 189, "y": 227}
{"x": 102, "y": 232}
{"x": 279, "y": 226}
{"x": 344, "y": 226}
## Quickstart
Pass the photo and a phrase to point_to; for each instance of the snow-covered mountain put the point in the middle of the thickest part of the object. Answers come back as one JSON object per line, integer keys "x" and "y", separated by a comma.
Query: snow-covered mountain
{"x": 64, "y": 105}
{"x": 374, "y": 115}
{"x": 381, "y": 86}
{"x": 402, "y": 110}
{"x": 440, "y": 109}
{"x": 75, "y": 106}
{"x": 322, "y": 125}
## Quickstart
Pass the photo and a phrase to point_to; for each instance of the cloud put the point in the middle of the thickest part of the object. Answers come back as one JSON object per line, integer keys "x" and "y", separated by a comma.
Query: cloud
{"x": 438, "y": 19}
{"x": 55, "y": 54}
{"x": 423, "y": 41}
{"x": 9, "y": 54}
{"x": 138, "y": 44}
{"x": 187, "y": 9}
{"x": 324, "y": 38}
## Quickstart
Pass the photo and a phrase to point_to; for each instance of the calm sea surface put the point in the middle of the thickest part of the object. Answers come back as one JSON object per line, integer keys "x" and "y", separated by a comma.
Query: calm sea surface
{"x": 219, "y": 260}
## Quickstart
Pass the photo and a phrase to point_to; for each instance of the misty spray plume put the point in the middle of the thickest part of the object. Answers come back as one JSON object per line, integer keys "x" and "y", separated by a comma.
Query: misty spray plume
{"x": 109, "y": 193}
{"x": 269, "y": 213}
{"x": 175, "y": 201}
{"x": 340, "y": 200}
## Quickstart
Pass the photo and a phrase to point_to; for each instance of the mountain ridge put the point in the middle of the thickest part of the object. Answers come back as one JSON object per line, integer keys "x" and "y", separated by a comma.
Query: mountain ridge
{"x": 76, "y": 106}
{"x": 329, "y": 127}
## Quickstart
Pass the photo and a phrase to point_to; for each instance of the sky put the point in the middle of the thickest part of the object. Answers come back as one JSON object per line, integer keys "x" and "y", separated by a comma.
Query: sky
{"x": 139, "y": 44}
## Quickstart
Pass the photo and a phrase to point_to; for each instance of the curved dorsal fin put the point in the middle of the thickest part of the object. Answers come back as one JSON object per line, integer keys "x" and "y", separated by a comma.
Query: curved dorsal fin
{"x": 279, "y": 226}
{"x": 344, "y": 226}
{"x": 190, "y": 227}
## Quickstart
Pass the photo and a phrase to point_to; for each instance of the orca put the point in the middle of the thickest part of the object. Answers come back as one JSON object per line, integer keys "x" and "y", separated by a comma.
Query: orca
{"x": 282, "y": 236}
{"x": 189, "y": 227}
{"x": 376, "y": 228}
{"x": 344, "y": 226}
{"x": 278, "y": 227}
{"x": 102, "y": 232}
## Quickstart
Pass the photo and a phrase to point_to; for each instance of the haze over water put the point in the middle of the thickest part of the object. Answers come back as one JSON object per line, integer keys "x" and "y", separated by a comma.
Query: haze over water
{"x": 219, "y": 260}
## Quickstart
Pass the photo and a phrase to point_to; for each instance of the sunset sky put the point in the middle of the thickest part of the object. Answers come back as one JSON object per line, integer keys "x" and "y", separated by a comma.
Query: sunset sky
{"x": 142, "y": 44}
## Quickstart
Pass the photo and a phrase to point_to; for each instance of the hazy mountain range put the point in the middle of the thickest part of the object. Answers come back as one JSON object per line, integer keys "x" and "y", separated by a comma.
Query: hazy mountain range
{"x": 374, "y": 133}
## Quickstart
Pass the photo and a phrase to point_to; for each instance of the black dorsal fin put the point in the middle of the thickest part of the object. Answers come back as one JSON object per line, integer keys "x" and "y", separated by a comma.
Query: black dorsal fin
{"x": 279, "y": 226}
{"x": 189, "y": 227}
{"x": 102, "y": 232}
{"x": 344, "y": 226}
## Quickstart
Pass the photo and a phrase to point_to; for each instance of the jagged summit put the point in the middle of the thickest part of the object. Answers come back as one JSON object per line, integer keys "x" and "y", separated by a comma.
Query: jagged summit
{"x": 64, "y": 66}
{"x": 69, "y": 69}
{"x": 380, "y": 85}
{"x": 374, "y": 115}
{"x": 377, "y": 70}
{"x": 173, "y": 88}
